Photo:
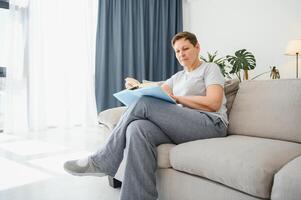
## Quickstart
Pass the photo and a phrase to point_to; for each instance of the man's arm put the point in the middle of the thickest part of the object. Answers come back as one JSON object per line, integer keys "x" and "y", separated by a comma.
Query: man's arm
{"x": 211, "y": 102}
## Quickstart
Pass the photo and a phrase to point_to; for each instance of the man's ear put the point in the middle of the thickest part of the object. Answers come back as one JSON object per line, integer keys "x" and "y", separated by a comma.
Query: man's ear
{"x": 198, "y": 46}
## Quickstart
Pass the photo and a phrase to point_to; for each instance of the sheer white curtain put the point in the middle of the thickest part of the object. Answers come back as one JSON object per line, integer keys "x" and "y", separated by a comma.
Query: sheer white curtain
{"x": 15, "y": 101}
{"x": 59, "y": 65}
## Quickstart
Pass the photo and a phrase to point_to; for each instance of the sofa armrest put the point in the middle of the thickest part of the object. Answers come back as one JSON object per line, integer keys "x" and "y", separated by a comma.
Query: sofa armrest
{"x": 287, "y": 181}
{"x": 110, "y": 117}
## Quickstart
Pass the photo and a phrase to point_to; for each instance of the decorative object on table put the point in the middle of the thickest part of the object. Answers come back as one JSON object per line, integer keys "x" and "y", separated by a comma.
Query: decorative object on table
{"x": 221, "y": 62}
{"x": 293, "y": 48}
{"x": 242, "y": 60}
{"x": 274, "y": 73}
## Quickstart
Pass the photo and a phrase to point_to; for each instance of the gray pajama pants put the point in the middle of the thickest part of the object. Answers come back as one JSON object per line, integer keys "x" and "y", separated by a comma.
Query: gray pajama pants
{"x": 146, "y": 124}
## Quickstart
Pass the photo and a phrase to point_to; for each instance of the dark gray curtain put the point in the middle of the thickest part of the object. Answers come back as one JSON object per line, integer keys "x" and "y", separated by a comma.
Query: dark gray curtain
{"x": 133, "y": 39}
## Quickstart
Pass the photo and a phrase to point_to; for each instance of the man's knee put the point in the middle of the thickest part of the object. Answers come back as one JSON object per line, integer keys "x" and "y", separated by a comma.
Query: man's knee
{"x": 138, "y": 128}
{"x": 145, "y": 101}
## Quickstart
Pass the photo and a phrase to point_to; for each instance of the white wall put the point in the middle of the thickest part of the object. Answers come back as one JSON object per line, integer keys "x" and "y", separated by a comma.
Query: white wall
{"x": 261, "y": 26}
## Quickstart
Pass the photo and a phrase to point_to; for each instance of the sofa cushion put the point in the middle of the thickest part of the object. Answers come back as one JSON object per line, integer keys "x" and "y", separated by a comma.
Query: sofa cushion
{"x": 231, "y": 88}
{"x": 110, "y": 117}
{"x": 268, "y": 108}
{"x": 175, "y": 185}
{"x": 245, "y": 163}
{"x": 163, "y": 160}
{"x": 287, "y": 182}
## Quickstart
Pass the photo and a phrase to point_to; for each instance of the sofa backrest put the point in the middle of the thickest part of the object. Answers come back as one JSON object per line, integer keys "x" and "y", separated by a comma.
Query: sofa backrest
{"x": 231, "y": 88}
{"x": 268, "y": 108}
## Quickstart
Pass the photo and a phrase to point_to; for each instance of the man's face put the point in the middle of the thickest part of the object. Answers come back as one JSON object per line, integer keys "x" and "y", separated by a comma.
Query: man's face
{"x": 186, "y": 53}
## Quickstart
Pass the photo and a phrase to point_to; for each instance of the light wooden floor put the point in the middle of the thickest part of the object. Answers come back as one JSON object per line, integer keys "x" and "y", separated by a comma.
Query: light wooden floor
{"x": 31, "y": 166}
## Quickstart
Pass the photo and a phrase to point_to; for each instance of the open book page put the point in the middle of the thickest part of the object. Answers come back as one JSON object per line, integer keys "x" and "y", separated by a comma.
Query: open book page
{"x": 136, "y": 84}
{"x": 127, "y": 97}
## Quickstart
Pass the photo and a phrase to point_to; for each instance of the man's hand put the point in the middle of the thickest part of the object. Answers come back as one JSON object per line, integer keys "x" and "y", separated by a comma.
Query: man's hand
{"x": 174, "y": 97}
{"x": 131, "y": 83}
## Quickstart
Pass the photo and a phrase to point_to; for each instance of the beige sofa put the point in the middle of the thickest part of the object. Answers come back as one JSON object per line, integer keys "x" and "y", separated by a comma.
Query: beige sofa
{"x": 259, "y": 159}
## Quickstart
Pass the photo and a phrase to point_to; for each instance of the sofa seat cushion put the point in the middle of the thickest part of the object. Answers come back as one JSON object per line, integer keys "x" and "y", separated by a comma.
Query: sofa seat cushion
{"x": 163, "y": 160}
{"x": 245, "y": 163}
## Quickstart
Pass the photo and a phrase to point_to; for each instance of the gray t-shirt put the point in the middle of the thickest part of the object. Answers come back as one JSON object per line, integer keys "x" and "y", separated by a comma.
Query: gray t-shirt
{"x": 194, "y": 83}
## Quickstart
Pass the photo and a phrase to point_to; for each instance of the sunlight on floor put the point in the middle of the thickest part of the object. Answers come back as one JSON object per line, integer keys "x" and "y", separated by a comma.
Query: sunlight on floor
{"x": 31, "y": 147}
{"x": 5, "y": 137}
{"x": 32, "y": 165}
{"x": 13, "y": 174}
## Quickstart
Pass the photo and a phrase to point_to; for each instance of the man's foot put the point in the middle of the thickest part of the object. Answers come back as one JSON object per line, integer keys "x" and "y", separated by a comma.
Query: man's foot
{"x": 82, "y": 167}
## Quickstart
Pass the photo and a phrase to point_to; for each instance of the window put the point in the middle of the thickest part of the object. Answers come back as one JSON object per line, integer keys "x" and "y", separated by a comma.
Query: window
{"x": 4, "y": 31}
{"x": 4, "y": 4}
{"x": 4, "y": 35}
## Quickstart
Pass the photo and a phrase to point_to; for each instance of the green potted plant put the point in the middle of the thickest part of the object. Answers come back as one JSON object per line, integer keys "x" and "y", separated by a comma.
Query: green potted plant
{"x": 221, "y": 62}
{"x": 242, "y": 60}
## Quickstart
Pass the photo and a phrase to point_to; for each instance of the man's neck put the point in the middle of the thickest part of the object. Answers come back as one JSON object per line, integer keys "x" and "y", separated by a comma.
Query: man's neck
{"x": 194, "y": 66}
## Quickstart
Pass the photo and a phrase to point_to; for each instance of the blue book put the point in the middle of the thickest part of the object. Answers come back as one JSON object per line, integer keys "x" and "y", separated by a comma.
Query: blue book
{"x": 127, "y": 97}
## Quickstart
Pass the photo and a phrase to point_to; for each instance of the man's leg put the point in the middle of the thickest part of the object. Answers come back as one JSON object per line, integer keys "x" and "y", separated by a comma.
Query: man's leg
{"x": 139, "y": 182}
{"x": 179, "y": 124}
